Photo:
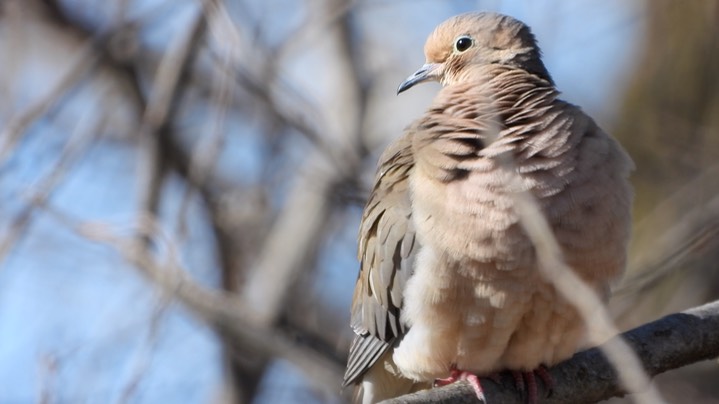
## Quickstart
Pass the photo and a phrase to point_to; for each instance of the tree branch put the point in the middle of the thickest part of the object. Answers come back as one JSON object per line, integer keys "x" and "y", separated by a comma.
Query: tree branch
{"x": 671, "y": 342}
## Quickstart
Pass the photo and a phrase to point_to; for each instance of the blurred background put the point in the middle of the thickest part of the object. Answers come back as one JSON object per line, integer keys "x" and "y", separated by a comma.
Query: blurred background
{"x": 181, "y": 181}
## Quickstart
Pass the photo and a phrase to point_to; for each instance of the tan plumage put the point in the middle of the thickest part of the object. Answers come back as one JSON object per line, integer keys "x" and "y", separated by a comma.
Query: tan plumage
{"x": 448, "y": 276}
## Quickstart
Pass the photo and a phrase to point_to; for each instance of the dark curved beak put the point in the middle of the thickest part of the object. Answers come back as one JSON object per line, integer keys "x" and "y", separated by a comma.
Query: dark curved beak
{"x": 428, "y": 72}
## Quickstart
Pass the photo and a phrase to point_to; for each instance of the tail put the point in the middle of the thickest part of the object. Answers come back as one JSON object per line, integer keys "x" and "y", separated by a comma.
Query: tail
{"x": 383, "y": 381}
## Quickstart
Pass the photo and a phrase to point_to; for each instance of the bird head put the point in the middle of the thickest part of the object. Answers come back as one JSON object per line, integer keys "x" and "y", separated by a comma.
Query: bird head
{"x": 463, "y": 43}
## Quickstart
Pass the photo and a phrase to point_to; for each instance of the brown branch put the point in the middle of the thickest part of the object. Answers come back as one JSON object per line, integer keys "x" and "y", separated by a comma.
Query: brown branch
{"x": 671, "y": 342}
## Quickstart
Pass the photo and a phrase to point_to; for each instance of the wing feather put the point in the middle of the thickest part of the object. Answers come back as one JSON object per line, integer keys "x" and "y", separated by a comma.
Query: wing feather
{"x": 386, "y": 250}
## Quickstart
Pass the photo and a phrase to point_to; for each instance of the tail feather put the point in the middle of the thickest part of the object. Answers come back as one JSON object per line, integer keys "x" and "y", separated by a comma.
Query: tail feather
{"x": 384, "y": 381}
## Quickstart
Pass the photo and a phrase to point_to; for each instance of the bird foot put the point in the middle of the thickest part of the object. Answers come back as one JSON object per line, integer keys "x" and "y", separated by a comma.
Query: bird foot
{"x": 456, "y": 375}
{"x": 526, "y": 382}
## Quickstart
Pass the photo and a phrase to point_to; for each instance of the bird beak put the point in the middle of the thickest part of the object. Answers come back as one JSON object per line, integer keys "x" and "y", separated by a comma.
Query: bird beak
{"x": 428, "y": 72}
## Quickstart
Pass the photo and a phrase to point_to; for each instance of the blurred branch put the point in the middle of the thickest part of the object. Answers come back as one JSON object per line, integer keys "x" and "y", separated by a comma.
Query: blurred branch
{"x": 206, "y": 154}
{"x": 85, "y": 61}
{"x": 674, "y": 341}
{"x": 680, "y": 231}
{"x": 293, "y": 240}
{"x": 223, "y": 311}
{"x": 160, "y": 102}
{"x": 160, "y": 147}
{"x": 685, "y": 241}
{"x": 76, "y": 146}
{"x": 143, "y": 357}
{"x": 284, "y": 104}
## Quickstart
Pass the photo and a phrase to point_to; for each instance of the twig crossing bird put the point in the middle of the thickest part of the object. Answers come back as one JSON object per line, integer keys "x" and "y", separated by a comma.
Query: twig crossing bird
{"x": 449, "y": 284}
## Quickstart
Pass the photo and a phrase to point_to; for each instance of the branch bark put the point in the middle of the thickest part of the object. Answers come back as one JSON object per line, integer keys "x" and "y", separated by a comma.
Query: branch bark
{"x": 674, "y": 341}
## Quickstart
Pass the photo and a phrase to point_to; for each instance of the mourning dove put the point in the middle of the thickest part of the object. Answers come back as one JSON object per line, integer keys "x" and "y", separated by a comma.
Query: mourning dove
{"x": 449, "y": 280}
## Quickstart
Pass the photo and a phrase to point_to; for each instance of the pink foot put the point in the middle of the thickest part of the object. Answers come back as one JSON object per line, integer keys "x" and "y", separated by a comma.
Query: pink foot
{"x": 527, "y": 381}
{"x": 543, "y": 374}
{"x": 456, "y": 375}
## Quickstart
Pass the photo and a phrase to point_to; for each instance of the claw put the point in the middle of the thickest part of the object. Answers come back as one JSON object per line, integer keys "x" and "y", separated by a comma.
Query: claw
{"x": 518, "y": 380}
{"x": 532, "y": 392}
{"x": 524, "y": 382}
{"x": 456, "y": 375}
{"x": 543, "y": 374}
{"x": 527, "y": 382}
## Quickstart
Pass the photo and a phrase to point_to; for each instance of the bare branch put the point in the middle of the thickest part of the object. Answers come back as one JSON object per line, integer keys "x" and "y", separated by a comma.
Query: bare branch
{"x": 86, "y": 60}
{"x": 225, "y": 312}
{"x": 41, "y": 192}
{"x": 674, "y": 341}
{"x": 304, "y": 216}
{"x": 157, "y": 111}
{"x": 143, "y": 356}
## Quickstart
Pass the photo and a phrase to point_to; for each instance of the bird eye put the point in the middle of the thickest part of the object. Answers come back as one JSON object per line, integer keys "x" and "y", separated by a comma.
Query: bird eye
{"x": 463, "y": 43}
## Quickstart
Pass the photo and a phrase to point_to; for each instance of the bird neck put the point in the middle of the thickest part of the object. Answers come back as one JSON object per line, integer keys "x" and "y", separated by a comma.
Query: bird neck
{"x": 513, "y": 90}
{"x": 505, "y": 89}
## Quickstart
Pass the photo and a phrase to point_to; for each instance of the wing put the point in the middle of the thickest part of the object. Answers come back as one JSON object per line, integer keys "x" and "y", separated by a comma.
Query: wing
{"x": 386, "y": 253}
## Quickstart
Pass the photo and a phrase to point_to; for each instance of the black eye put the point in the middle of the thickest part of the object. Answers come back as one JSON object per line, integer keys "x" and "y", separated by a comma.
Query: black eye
{"x": 463, "y": 43}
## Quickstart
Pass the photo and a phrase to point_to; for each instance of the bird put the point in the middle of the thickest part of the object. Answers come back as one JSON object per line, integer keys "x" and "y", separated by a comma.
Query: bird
{"x": 449, "y": 284}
